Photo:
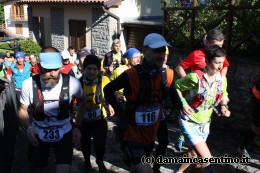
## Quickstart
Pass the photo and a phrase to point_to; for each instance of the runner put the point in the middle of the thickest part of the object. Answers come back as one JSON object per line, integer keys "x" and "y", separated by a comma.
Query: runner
{"x": 50, "y": 93}
{"x": 195, "y": 61}
{"x": 145, "y": 87}
{"x": 92, "y": 113}
{"x": 209, "y": 87}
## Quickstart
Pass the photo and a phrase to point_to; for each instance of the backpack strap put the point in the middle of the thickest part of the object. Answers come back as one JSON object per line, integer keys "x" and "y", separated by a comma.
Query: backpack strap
{"x": 64, "y": 99}
{"x": 98, "y": 98}
{"x": 202, "y": 82}
{"x": 167, "y": 79}
{"x": 38, "y": 99}
{"x": 37, "y": 90}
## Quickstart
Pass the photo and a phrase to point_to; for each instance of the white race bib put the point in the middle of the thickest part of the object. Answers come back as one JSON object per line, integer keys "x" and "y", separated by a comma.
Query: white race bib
{"x": 203, "y": 129}
{"x": 147, "y": 116}
{"x": 92, "y": 114}
{"x": 51, "y": 135}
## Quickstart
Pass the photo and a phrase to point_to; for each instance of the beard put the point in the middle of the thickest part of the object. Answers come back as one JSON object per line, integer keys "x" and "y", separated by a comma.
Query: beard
{"x": 50, "y": 82}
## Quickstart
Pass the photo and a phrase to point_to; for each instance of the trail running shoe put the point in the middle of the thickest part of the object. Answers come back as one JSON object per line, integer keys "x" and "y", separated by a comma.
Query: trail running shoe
{"x": 244, "y": 152}
{"x": 179, "y": 142}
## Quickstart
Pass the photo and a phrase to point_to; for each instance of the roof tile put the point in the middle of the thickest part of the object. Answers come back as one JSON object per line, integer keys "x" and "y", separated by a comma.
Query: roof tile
{"x": 58, "y": 1}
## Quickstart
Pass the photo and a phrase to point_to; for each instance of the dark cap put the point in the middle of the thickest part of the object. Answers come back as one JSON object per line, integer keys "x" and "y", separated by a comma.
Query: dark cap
{"x": 92, "y": 59}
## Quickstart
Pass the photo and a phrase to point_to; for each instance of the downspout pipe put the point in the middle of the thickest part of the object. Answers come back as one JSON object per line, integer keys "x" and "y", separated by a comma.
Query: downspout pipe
{"x": 115, "y": 17}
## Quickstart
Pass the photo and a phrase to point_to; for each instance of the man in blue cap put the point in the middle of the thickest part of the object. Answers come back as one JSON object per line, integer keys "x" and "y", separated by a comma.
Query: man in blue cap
{"x": 145, "y": 88}
{"x": 18, "y": 72}
{"x": 50, "y": 93}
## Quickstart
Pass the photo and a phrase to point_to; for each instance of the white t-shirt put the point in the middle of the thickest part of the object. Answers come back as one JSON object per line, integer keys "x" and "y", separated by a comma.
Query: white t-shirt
{"x": 51, "y": 108}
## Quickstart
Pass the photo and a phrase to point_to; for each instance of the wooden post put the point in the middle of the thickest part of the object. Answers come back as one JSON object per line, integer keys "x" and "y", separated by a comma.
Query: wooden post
{"x": 164, "y": 20}
{"x": 192, "y": 28}
{"x": 229, "y": 27}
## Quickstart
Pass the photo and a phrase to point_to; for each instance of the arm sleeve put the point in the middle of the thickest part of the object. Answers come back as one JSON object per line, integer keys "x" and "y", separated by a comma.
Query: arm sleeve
{"x": 75, "y": 88}
{"x": 188, "y": 62}
{"x": 115, "y": 85}
{"x": 189, "y": 82}
{"x": 25, "y": 92}
{"x": 224, "y": 88}
{"x": 226, "y": 63}
{"x": 9, "y": 71}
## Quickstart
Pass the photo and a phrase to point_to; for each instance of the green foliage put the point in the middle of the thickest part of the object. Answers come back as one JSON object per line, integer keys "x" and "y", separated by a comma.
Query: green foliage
{"x": 5, "y": 46}
{"x": 4, "y": 51}
{"x": 26, "y": 46}
{"x": 30, "y": 47}
{"x": 246, "y": 22}
{"x": 2, "y": 16}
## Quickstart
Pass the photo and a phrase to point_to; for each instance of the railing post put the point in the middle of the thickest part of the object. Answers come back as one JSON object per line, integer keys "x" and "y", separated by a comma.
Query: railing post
{"x": 166, "y": 18}
{"x": 229, "y": 26}
{"x": 192, "y": 29}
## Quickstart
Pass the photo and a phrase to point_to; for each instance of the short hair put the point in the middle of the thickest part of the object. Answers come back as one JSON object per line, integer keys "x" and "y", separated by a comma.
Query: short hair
{"x": 116, "y": 41}
{"x": 214, "y": 51}
{"x": 49, "y": 49}
{"x": 215, "y": 34}
{"x": 71, "y": 48}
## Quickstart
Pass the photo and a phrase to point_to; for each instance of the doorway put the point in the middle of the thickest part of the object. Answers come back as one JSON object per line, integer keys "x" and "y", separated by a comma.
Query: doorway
{"x": 77, "y": 34}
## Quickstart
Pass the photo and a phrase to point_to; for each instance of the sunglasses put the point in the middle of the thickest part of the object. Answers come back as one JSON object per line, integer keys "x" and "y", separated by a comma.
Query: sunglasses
{"x": 159, "y": 50}
{"x": 92, "y": 68}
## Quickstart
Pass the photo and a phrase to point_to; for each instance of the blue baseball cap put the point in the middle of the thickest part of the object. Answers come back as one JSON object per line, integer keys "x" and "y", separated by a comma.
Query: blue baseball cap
{"x": 50, "y": 60}
{"x": 131, "y": 52}
{"x": 19, "y": 55}
{"x": 155, "y": 41}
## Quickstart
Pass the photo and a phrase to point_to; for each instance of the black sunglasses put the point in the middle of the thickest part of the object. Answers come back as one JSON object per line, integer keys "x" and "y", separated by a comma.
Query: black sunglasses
{"x": 92, "y": 68}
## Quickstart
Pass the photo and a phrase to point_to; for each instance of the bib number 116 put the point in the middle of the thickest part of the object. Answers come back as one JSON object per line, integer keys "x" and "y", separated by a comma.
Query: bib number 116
{"x": 148, "y": 117}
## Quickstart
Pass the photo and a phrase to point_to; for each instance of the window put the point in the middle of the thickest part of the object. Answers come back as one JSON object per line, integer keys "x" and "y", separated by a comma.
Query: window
{"x": 19, "y": 28}
{"x": 17, "y": 11}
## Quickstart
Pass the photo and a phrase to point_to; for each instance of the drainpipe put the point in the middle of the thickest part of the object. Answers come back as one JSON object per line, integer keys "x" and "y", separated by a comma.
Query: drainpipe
{"x": 115, "y": 17}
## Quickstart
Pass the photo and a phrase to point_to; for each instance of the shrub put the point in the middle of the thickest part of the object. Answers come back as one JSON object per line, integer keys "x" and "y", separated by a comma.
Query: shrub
{"x": 30, "y": 47}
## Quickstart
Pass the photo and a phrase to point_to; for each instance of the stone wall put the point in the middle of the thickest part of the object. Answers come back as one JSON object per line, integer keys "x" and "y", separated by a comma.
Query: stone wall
{"x": 57, "y": 28}
{"x": 242, "y": 74}
{"x": 30, "y": 24}
{"x": 100, "y": 32}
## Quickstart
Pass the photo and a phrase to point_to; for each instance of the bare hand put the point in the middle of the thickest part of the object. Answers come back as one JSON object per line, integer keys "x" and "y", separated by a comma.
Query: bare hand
{"x": 119, "y": 97}
{"x": 225, "y": 112}
{"x": 187, "y": 110}
{"x": 76, "y": 136}
{"x": 111, "y": 110}
{"x": 31, "y": 133}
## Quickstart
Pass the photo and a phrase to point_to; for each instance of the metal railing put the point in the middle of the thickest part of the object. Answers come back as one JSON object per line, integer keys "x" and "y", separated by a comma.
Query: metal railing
{"x": 227, "y": 14}
{"x": 19, "y": 17}
{"x": 2, "y": 26}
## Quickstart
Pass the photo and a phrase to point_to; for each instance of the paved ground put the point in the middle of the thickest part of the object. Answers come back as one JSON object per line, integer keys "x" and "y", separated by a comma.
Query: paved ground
{"x": 220, "y": 143}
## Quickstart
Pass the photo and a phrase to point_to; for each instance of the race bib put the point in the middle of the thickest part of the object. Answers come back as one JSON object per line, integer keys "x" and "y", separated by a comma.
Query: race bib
{"x": 92, "y": 114}
{"x": 51, "y": 135}
{"x": 147, "y": 116}
{"x": 203, "y": 129}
